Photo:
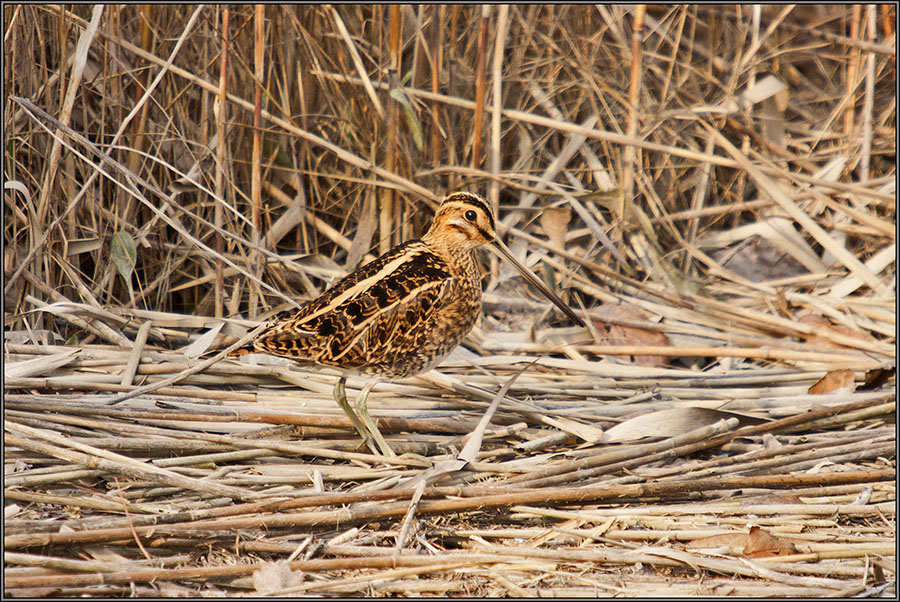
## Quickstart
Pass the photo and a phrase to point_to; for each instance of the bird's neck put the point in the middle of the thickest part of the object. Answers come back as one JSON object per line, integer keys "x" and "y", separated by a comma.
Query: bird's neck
{"x": 456, "y": 251}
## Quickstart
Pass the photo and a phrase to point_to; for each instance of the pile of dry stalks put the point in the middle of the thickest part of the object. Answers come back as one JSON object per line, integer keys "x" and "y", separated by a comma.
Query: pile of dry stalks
{"x": 714, "y": 185}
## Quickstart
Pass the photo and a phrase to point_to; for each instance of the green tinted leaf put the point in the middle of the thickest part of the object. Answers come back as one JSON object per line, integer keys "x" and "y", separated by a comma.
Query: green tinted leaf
{"x": 123, "y": 253}
{"x": 411, "y": 119}
{"x": 400, "y": 97}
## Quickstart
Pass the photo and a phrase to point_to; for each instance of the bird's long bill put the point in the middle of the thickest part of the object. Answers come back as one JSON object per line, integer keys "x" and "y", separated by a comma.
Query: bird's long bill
{"x": 502, "y": 251}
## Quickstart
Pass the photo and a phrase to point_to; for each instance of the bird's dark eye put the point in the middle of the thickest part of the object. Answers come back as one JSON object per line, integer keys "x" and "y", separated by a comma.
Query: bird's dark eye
{"x": 471, "y": 215}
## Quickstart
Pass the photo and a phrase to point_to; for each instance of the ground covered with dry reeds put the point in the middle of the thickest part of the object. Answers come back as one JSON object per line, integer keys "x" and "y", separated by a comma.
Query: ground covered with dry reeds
{"x": 714, "y": 186}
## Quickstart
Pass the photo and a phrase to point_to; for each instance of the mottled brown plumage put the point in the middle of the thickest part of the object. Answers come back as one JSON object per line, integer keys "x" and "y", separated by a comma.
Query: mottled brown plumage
{"x": 400, "y": 314}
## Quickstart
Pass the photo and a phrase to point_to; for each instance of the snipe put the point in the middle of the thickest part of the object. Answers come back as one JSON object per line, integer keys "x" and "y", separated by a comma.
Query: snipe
{"x": 400, "y": 314}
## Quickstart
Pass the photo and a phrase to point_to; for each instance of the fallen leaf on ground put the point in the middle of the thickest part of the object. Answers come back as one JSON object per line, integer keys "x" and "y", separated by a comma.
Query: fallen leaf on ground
{"x": 833, "y": 382}
{"x": 670, "y": 423}
{"x": 611, "y": 333}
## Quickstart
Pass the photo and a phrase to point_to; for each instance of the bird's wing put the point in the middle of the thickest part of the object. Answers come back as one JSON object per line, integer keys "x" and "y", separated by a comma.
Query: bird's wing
{"x": 396, "y": 291}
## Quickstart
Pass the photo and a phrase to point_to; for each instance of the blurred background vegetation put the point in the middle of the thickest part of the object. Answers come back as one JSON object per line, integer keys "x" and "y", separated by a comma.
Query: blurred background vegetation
{"x": 279, "y": 145}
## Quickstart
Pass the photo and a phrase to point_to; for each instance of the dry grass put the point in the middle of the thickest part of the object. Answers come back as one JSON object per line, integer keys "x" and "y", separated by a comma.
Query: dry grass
{"x": 723, "y": 194}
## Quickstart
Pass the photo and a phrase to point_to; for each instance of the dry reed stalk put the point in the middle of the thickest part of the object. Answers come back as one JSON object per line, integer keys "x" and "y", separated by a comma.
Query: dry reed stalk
{"x": 856, "y": 361}
{"x": 593, "y": 466}
{"x": 480, "y": 83}
{"x": 662, "y": 514}
{"x": 134, "y": 574}
{"x": 386, "y": 213}
{"x": 607, "y": 136}
{"x": 761, "y": 459}
{"x": 438, "y": 18}
{"x": 665, "y": 557}
{"x": 92, "y": 457}
{"x": 346, "y": 516}
{"x": 221, "y": 114}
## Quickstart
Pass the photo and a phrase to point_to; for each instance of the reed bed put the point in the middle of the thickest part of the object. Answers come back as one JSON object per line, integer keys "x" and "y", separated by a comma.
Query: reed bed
{"x": 712, "y": 186}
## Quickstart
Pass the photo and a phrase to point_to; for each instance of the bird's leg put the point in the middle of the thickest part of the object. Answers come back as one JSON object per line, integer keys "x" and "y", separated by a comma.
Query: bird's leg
{"x": 363, "y": 413}
{"x": 340, "y": 395}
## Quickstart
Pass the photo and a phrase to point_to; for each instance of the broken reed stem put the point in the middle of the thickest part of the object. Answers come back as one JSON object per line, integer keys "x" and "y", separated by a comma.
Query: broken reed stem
{"x": 594, "y": 466}
{"x": 386, "y": 423}
{"x": 208, "y": 573}
{"x": 99, "y": 459}
{"x": 564, "y": 495}
{"x": 642, "y": 350}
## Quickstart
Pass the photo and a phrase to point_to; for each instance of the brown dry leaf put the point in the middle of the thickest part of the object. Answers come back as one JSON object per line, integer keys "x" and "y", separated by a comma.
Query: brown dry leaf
{"x": 761, "y": 544}
{"x": 614, "y": 334}
{"x": 877, "y": 377}
{"x": 732, "y": 544}
{"x": 670, "y": 423}
{"x": 555, "y": 222}
{"x": 758, "y": 543}
{"x": 833, "y": 382}
{"x": 104, "y": 553}
{"x": 821, "y": 322}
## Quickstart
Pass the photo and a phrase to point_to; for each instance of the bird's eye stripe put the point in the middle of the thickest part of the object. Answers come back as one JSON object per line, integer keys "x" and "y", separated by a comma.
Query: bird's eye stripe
{"x": 474, "y": 200}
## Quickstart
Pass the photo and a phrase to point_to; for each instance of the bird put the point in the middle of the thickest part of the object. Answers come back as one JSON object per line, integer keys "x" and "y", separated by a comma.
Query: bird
{"x": 400, "y": 314}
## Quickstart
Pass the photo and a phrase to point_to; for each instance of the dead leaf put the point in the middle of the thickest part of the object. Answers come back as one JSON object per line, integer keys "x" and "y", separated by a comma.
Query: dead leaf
{"x": 203, "y": 342}
{"x": 864, "y": 496}
{"x": 104, "y": 553}
{"x": 362, "y": 241}
{"x": 65, "y": 308}
{"x": 822, "y": 323}
{"x": 877, "y": 377}
{"x": 555, "y": 222}
{"x": 670, "y": 423}
{"x": 732, "y": 544}
{"x": 589, "y": 433}
{"x": 834, "y": 382}
{"x": 761, "y": 544}
{"x": 611, "y": 333}
{"x": 758, "y": 543}
{"x": 769, "y": 248}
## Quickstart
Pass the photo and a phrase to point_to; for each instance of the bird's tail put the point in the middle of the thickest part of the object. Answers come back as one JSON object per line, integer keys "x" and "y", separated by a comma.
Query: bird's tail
{"x": 246, "y": 349}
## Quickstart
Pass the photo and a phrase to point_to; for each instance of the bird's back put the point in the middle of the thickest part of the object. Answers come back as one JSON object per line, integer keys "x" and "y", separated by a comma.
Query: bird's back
{"x": 393, "y": 317}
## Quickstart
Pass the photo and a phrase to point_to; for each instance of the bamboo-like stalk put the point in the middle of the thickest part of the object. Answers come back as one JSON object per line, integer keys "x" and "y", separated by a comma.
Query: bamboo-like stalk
{"x": 480, "y": 84}
{"x": 628, "y": 156}
{"x": 221, "y": 159}
{"x": 497, "y": 93}
{"x": 437, "y": 57}
{"x": 869, "y": 103}
{"x": 259, "y": 42}
{"x": 387, "y": 210}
